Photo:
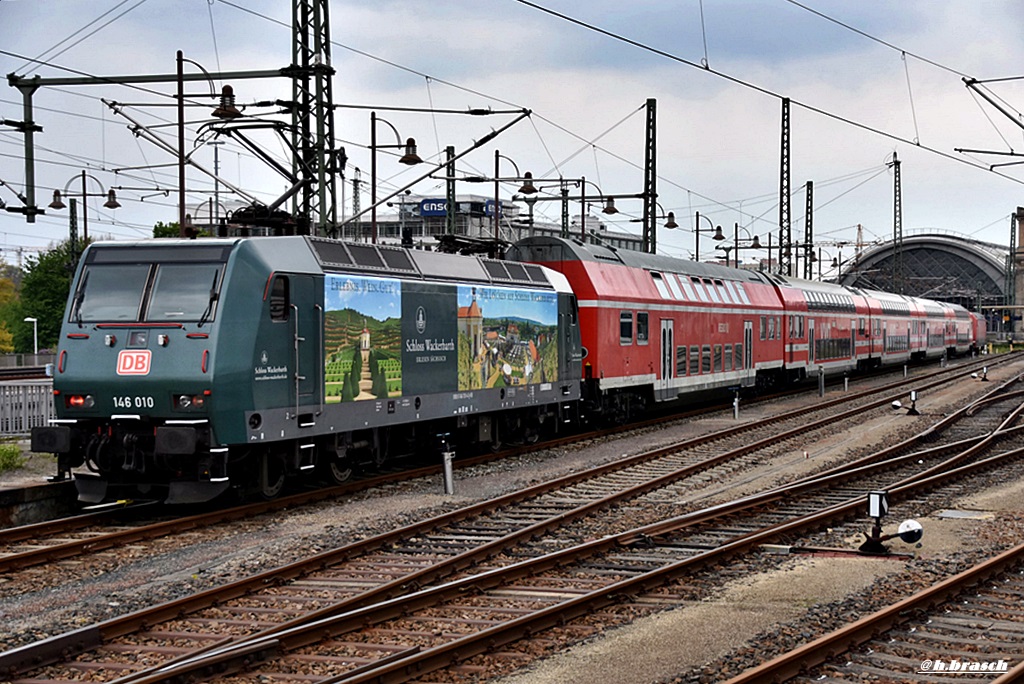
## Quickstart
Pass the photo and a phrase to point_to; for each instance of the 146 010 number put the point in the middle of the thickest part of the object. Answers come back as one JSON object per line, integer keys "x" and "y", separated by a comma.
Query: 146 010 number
{"x": 133, "y": 402}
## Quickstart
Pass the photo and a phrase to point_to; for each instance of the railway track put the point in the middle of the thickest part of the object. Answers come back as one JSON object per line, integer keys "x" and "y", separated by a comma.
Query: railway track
{"x": 379, "y": 570}
{"x": 967, "y": 627}
{"x": 718, "y": 455}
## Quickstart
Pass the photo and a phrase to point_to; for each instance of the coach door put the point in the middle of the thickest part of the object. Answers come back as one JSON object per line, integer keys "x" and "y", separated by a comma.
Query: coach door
{"x": 748, "y": 352}
{"x": 810, "y": 342}
{"x": 663, "y": 384}
{"x": 853, "y": 339}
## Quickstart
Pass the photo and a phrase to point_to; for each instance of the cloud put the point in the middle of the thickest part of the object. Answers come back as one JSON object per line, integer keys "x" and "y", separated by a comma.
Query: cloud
{"x": 718, "y": 140}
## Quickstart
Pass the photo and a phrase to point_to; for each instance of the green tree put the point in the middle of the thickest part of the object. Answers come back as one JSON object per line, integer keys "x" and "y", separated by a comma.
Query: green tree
{"x": 166, "y": 230}
{"x": 171, "y": 230}
{"x": 6, "y": 340}
{"x": 44, "y": 291}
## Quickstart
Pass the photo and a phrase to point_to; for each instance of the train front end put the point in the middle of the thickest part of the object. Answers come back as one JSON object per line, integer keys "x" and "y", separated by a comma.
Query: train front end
{"x": 133, "y": 381}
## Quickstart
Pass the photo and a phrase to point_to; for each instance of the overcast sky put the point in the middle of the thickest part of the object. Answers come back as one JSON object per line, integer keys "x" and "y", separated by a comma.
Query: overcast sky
{"x": 866, "y": 80}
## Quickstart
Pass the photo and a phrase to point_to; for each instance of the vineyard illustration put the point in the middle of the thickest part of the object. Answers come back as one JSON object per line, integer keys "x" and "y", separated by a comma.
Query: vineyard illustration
{"x": 362, "y": 338}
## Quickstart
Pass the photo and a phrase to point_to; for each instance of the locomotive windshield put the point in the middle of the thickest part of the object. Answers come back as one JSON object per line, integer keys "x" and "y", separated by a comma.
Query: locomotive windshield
{"x": 155, "y": 292}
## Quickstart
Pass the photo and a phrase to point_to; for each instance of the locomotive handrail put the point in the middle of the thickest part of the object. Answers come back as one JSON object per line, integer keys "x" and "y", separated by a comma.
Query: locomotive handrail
{"x": 139, "y": 324}
{"x": 298, "y": 376}
{"x": 322, "y": 354}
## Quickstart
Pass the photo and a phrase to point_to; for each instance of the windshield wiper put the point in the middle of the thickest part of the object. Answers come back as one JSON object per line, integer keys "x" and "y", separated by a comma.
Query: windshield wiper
{"x": 76, "y": 303}
{"x": 209, "y": 303}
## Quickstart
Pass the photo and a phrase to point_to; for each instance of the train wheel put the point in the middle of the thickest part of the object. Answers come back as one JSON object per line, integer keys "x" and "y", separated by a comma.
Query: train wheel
{"x": 338, "y": 472}
{"x": 336, "y": 468}
{"x": 272, "y": 476}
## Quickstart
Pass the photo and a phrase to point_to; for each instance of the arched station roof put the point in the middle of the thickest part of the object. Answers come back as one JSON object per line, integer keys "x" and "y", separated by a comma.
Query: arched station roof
{"x": 935, "y": 266}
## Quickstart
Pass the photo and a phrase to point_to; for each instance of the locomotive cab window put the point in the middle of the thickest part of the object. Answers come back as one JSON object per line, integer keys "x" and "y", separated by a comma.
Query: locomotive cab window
{"x": 279, "y": 299}
{"x": 184, "y": 292}
{"x": 111, "y": 292}
{"x": 143, "y": 292}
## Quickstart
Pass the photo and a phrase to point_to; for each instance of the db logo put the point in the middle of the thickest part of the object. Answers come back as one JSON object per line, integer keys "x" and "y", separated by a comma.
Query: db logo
{"x": 133, "y": 362}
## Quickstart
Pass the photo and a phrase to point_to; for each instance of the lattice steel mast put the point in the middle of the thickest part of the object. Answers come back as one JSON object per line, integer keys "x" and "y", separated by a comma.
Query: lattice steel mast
{"x": 315, "y": 161}
{"x": 785, "y": 227}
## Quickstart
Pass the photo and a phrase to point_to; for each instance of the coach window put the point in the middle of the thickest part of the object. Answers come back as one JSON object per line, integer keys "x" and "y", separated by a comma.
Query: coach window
{"x": 694, "y": 360}
{"x": 722, "y": 292}
{"x": 738, "y": 358}
{"x": 699, "y": 288}
{"x": 684, "y": 282}
{"x": 712, "y": 292}
{"x": 279, "y": 299}
{"x": 680, "y": 360}
{"x": 743, "y": 293}
{"x": 673, "y": 285}
{"x": 660, "y": 284}
{"x": 732, "y": 292}
{"x": 771, "y": 327}
{"x": 642, "y": 318}
{"x": 763, "y": 327}
{"x": 718, "y": 358}
{"x": 705, "y": 359}
{"x": 625, "y": 327}
{"x": 728, "y": 357}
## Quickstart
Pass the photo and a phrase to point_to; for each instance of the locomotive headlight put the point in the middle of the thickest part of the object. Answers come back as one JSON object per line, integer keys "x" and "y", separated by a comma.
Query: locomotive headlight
{"x": 190, "y": 402}
{"x": 79, "y": 401}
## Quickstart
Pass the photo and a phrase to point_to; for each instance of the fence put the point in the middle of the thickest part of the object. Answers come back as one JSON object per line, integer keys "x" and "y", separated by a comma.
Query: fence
{"x": 24, "y": 405}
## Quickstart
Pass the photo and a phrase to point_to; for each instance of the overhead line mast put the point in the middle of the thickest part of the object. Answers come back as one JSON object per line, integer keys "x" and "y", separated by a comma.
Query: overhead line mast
{"x": 785, "y": 226}
{"x": 315, "y": 160}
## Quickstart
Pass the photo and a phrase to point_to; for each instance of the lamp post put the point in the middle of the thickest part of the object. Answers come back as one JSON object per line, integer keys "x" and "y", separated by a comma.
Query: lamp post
{"x": 609, "y": 205}
{"x": 111, "y": 203}
{"x": 837, "y": 262}
{"x": 213, "y": 208}
{"x": 755, "y": 243}
{"x": 669, "y": 217}
{"x": 564, "y": 198}
{"x": 226, "y": 110}
{"x": 526, "y": 189}
{"x": 35, "y": 334}
{"x": 410, "y": 158}
{"x": 717, "y": 230}
{"x": 736, "y": 246}
{"x": 401, "y": 204}
{"x": 530, "y": 201}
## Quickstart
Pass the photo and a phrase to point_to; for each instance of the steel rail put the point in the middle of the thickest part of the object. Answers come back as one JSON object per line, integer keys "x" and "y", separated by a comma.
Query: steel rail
{"x": 428, "y": 660}
{"x": 801, "y": 659}
{"x": 287, "y": 638}
{"x": 92, "y": 636}
{"x": 73, "y": 548}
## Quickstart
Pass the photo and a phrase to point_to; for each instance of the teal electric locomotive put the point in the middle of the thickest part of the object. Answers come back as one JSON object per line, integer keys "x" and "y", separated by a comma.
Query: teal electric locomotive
{"x": 187, "y": 368}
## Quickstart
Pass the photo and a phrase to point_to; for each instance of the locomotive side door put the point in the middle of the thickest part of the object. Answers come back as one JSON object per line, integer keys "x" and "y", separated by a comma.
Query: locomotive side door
{"x": 663, "y": 384}
{"x": 307, "y": 313}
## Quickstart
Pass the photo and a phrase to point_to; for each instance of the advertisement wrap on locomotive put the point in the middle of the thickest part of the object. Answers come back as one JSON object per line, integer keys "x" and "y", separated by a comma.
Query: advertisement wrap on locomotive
{"x": 190, "y": 368}
{"x": 296, "y": 357}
